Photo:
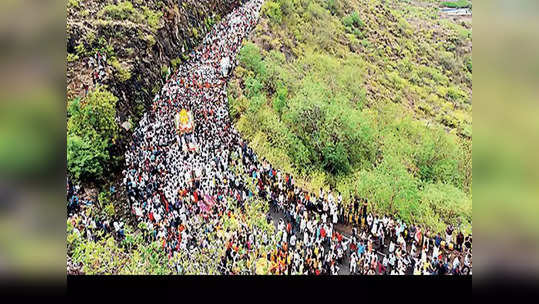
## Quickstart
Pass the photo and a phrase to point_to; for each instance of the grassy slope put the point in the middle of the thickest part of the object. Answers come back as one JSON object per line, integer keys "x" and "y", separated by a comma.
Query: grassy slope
{"x": 391, "y": 87}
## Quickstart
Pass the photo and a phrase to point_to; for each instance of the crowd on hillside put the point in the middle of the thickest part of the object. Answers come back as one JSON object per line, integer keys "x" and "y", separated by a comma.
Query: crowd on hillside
{"x": 90, "y": 224}
{"x": 183, "y": 195}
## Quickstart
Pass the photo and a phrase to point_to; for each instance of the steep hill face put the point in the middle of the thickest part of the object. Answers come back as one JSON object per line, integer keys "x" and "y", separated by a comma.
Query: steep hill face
{"x": 141, "y": 40}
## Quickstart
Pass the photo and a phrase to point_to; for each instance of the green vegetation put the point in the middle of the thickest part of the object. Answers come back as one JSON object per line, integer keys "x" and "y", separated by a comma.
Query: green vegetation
{"x": 122, "y": 73}
{"x": 140, "y": 253}
{"x": 273, "y": 11}
{"x": 122, "y": 11}
{"x": 91, "y": 130}
{"x": 175, "y": 63}
{"x": 126, "y": 11}
{"x": 106, "y": 256}
{"x": 73, "y": 3}
{"x": 209, "y": 22}
{"x": 195, "y": 33}
{"x": 80, "y": 49}
{"x": 457, "y": 4}
{"x": 372, "y": 99}
{"x": 353, "y": 24}
{"x": 72, "y": 57}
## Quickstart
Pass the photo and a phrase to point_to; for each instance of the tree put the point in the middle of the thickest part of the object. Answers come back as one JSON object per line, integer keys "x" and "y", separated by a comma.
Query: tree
{"x": 86, "y": 155}
{"x": 91, "y": 130}
{"x": 251, "y": 59}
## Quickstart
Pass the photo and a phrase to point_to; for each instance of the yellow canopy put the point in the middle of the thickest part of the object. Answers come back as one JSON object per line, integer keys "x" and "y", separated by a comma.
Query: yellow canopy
{"x": 184, "y": 117}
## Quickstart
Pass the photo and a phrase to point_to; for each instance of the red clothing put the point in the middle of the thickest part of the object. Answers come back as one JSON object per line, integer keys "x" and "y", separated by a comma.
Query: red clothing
{"x": 164, "y": 200}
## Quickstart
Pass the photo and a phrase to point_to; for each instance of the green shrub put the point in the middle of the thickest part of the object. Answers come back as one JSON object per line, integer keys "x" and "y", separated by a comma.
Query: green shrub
{"x": 175, "y": 63}
{"x": 279, "y": 100}
{"x": 458, "y": 4}
{"x": 194, "y": 31}
{"x": 455, "y": 94}
{"x": 72, "y": 57}
{"x": 150, "y": 39}
{"x": 80, "y": 49}
{"x": 91, "y": 129}
{"x": 86, "y": 155}
{"x": 122, "y": 74}
{"x": 73, "y": 3}
{"x": 122, "y": 11}
{"x": 153, "y": 18}
{"x": 468, "y": 62}
{"x": 353, "y": 21}
{"x": 251, "y": 59}
{"x": 273, "y": 11}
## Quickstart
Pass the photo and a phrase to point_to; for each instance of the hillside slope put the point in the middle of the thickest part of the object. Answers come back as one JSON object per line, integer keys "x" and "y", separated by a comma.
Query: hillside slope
{"x": 370, "y": 97}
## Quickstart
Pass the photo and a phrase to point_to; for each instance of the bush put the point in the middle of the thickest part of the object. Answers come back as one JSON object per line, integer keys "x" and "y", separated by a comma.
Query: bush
{"x": 353, "y": 21}
{"x": 336, "y": 136}
{"x": 468, "y": 62}
{"x": 153, "y": 18}
{"x": 86, "y": 156}
{"x": 122, "y": 74}
{"x": 335, "y": 159}
{"x": 126, "y": 11}
{"x": 273, "y": 11}
{"x": 73, "y": 3}
{"x": 72, "y": 57}
{"x": 253, "y": 87}
{"x": 457, "y": 4}
{"x": 122, "y": 11}
{"x": 279, "y": 100}
{"x": 353, "y": 24}
{"x": 175, "y": 63}
{"x": 91, "y": 129}
{"x": 251, "y": 59}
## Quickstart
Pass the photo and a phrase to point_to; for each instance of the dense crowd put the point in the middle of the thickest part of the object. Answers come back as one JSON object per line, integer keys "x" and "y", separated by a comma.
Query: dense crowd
{"x": 184, "y": 194}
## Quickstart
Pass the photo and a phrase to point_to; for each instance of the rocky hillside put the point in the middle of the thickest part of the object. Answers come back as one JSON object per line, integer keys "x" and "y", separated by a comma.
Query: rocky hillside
{"x": 141, "y": 40}
{"x": 369, "y": 97}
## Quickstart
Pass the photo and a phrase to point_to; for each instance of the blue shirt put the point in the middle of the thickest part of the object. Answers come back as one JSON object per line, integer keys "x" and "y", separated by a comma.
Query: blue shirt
{"x": 360, "y": 249}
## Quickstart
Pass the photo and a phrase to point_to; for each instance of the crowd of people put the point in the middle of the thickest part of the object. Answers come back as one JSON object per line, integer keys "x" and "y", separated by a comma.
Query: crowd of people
{"x": 85, "y": 223}
{"x": 98, "y": 64}
{"x": 183, "y": 195}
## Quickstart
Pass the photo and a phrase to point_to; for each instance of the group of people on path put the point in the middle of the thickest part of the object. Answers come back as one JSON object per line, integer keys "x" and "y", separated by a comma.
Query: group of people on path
{"x": 184, "y": 197}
